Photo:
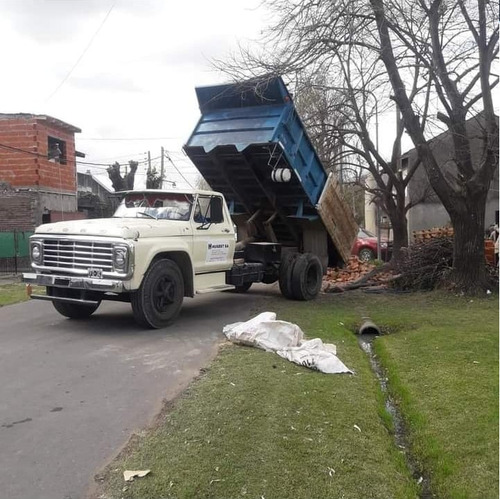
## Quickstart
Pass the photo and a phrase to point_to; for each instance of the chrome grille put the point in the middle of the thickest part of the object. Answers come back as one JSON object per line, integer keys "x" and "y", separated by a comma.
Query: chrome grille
{"x": 77, "y": 255}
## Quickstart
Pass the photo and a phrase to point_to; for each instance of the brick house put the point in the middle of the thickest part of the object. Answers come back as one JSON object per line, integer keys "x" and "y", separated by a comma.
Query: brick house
{"x": 37, "y": 171}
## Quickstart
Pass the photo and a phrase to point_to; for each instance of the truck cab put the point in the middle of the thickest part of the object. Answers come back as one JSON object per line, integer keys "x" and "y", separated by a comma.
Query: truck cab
{"x": 158, "y": 247}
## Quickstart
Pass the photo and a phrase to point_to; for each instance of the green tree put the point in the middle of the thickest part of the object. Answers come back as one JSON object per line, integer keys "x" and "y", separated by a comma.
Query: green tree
{"x": 154, "y": 180}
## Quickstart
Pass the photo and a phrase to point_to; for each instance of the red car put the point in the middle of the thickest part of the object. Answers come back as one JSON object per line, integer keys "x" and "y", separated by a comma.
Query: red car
{"x": 365, "y": 246}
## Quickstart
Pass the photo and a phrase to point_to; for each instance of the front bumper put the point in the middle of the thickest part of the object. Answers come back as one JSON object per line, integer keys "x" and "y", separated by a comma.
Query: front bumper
{"x": 85, "y": 283}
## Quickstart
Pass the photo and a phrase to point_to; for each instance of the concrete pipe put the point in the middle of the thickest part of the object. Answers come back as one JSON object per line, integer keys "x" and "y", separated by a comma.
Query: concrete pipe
{"x": 369, "y": 327}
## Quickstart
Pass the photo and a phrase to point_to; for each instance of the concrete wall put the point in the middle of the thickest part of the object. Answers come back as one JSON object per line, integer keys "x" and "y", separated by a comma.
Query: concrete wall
{"x": 431, "y": 213}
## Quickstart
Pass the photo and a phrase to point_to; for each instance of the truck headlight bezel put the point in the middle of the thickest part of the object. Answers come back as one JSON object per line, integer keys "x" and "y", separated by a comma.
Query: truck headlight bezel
{"x": 36, "y": 252}
{"x": 121, "y": 257}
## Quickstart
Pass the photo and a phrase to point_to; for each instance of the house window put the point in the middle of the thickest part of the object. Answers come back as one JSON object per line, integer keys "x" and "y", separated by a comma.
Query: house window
{"x": 56, "y": 150}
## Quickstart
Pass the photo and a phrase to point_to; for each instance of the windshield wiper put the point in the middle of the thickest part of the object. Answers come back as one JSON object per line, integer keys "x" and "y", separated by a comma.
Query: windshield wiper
{"x": 146, "y": 214}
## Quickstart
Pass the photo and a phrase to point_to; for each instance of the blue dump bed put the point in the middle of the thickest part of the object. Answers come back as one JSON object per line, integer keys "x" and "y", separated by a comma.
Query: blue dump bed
{"x": 250, "y": 145}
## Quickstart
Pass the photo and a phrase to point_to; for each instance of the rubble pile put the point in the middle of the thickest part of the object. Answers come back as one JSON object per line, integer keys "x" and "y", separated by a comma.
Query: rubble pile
{"x": 354, "y": 275}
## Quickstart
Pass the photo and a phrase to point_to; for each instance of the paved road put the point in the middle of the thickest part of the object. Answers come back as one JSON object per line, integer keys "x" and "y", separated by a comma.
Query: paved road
{"x": 71, "y": 393}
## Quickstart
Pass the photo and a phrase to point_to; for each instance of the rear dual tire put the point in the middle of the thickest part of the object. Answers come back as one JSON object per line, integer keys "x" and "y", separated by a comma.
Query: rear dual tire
{"x": 300, "y": 276}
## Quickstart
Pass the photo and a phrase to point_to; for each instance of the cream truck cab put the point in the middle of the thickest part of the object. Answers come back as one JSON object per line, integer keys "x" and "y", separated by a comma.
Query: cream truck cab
{"x": 157, "y": 248}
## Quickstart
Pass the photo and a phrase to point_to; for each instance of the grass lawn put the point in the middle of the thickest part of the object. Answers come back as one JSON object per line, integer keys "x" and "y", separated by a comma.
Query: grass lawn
{"x": 443, "y": 369}
{"x": 15, "y": 293}
{"x": 257, "y": 426}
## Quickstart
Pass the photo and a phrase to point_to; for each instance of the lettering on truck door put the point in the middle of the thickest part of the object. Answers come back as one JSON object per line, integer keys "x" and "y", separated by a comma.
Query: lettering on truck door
{"x": 213, "y": 235}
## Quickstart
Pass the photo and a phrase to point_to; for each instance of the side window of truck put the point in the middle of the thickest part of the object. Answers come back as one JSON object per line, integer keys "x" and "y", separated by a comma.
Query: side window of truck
{"x": 208, "y": 209}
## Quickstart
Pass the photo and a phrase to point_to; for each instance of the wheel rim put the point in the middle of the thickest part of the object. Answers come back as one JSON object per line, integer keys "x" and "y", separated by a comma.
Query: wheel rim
{"x": 365, "y": 255}
{"x": 164, "y": 294}
{"x": 312, "y": 278}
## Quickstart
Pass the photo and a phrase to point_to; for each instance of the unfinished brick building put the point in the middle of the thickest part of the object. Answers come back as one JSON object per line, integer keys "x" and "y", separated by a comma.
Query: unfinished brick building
{"x": 37, "y": 170}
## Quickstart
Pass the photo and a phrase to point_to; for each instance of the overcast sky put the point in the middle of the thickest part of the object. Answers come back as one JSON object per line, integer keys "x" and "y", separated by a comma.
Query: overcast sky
{"x": 120, "y": 69}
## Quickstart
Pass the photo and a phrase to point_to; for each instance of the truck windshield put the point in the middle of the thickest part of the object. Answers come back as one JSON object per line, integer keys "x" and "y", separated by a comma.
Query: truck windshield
{"x": 157, "y": 205}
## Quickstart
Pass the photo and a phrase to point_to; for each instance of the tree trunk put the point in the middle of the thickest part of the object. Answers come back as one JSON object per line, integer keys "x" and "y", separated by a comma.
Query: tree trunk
{"x": 399, "y": 231}
{"x": 469, "y": 271}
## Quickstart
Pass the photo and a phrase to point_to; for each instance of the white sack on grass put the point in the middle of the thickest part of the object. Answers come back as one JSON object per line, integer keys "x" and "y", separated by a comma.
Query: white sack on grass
{"x": 264, "y": 331}
{"x": 286, "y": 339}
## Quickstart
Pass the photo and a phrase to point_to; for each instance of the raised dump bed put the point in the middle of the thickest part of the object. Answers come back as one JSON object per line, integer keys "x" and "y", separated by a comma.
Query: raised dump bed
{"x": 251, "y": 145}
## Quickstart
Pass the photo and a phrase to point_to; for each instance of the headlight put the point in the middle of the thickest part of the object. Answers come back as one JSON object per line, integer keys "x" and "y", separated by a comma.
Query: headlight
{"x": 120, "y": 257}
{"x": 36, "y": 252}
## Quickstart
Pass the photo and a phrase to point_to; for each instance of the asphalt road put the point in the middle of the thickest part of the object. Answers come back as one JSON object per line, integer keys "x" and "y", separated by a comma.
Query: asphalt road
{"x": 72, "y": 392}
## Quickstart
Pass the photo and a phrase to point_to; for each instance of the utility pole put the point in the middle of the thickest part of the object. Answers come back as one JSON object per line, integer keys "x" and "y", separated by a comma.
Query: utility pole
{"x": 162, "y": 163}
{"x": 149, "y": 160}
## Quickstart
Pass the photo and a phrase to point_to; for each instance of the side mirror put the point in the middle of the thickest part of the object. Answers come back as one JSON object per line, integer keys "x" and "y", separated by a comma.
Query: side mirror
{"x": 216, "y": 216}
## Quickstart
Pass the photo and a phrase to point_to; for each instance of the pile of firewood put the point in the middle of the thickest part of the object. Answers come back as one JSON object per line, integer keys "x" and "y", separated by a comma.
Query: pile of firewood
{"x": 424, "y": 264}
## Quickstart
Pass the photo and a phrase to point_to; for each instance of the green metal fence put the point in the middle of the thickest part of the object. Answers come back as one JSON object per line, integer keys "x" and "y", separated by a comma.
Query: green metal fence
{"x": 14, "y": 250}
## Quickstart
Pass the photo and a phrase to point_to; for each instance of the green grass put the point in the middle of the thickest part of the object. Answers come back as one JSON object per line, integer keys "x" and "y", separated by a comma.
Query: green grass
{"x": 255, "y": 425}
{"x": 15, "y": 293}
{"x": 444, "y": 372}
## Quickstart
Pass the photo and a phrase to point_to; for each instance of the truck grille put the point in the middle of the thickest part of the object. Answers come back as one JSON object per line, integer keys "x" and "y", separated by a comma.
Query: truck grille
{"x": 77, "y": 255}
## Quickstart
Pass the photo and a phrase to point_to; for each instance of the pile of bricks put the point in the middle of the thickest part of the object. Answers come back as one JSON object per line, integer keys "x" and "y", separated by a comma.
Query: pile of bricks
{"x": 354, "y": 270}
{"x": 420, "y": 236}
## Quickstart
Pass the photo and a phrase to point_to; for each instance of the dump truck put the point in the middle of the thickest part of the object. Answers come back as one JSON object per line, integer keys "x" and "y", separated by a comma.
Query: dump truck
{"x": 272, "y": 215}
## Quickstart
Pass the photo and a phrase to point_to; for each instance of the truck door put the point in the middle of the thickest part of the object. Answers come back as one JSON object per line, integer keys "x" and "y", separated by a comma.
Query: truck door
{"x": 213, "y": 235}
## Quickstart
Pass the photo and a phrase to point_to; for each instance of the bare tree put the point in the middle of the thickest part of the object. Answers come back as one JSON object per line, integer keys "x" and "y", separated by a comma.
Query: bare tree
{"x": 429, "y": 58}
{"x": 454, "y": 45}
{"x": 328, "y": 51}
{"x": 125, "y": 183}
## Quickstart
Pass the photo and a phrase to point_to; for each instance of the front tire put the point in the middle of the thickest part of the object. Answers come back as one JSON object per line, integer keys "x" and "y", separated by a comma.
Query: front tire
{"x": 159, "y": 299}
{"x": 75, "y": 311}
{"x": 71, "y": 310}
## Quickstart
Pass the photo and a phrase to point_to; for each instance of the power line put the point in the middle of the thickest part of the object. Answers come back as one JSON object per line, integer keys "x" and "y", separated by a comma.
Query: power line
{"x": 178, "y": 171}
{"x": 82, "y": 54}
{"x": 17, "y": 149}
{"x": 129, "y": 138}
{"x": 111, "y": 164}
{"x": 114, "y": 158}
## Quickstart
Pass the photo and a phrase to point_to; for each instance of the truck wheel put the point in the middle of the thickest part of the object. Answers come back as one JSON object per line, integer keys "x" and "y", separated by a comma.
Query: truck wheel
{"x": 285, "y": 274}
{"x": 158, "y": 300}
{"x": 307, "y": 276}
{"x": 75, "y": 311}
{"x": 71, "y": 310}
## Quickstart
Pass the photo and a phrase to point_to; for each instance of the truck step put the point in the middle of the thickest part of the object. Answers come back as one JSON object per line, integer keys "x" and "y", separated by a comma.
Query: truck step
{"x": 223, "y": 287}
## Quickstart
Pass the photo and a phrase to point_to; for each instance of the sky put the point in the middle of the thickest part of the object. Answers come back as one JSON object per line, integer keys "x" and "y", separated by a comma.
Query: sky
{"x": 123, "y": 71}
